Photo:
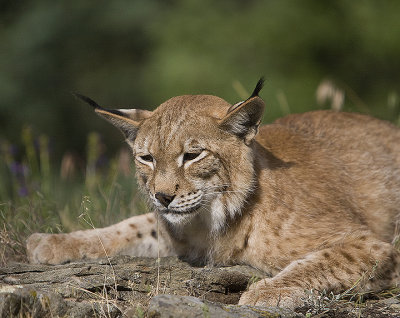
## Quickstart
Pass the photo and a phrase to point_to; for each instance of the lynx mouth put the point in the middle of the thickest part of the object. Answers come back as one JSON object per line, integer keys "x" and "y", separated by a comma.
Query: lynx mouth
{"x": 179, "y": 217}
{"x": 190, "y": 210}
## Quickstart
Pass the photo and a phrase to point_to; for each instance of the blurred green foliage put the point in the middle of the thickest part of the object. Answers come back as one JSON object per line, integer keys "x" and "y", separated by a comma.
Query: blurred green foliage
{"x": 139, "y": 53}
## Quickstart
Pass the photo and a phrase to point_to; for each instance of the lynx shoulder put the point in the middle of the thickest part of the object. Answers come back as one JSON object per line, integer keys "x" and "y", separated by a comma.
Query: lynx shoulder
{"x": 311, "y": 199}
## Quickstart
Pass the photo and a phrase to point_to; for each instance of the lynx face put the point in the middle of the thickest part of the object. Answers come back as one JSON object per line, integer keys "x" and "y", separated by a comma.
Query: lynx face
{"x": 192, "y": 155}
{"x": 181, "y": 179}
{"x": 185, "y": 171}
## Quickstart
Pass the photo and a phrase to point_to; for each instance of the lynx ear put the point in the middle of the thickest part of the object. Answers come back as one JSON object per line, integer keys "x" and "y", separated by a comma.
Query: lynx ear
{"x": 127, "y": 120}
{"x": 243, "y": 119}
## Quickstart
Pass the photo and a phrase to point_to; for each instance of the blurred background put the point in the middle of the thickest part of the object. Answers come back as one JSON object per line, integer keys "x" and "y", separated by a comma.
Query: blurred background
{"x": 314, "y": 54}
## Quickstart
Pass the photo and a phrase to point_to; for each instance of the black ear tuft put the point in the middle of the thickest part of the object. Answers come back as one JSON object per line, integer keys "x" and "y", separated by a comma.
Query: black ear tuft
{"x": 92, "y": 103}
{"x": 258, "y": 88}
{"x": 87, "y": 100}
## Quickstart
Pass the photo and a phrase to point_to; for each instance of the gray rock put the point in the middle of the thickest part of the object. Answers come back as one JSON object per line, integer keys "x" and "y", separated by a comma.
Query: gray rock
{"x": 123, "y": 287}
{"x": 166, "y": 306}
{"x": 108, "y": 288}
{"x": 38, "y": 305}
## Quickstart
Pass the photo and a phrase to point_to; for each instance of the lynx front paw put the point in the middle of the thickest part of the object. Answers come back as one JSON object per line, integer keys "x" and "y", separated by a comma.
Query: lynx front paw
{"x": 268, "y": 295}
{"x": 50, "y": 249}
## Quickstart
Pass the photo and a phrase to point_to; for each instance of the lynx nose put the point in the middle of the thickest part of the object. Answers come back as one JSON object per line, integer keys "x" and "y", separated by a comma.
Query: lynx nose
{"x": 164, "y": 199}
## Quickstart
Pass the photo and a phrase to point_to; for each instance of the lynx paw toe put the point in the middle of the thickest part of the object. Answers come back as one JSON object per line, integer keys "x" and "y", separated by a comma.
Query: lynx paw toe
{"x": 287, "y": 297}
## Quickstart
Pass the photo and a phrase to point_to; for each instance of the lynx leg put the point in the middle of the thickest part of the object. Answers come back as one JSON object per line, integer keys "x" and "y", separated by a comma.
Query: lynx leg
{"x": 363, "y": 264}
{"x": 136, "y": 236}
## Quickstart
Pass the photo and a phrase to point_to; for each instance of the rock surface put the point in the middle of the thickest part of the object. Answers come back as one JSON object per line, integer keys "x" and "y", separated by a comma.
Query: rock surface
{"x": 165, "y": 306}
{"x": 113, "y": 288}
{"x": 139, "y": 287}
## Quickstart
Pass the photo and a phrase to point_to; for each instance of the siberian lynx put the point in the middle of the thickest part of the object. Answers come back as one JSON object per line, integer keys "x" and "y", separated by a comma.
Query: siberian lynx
{"x": 312, "y": 199}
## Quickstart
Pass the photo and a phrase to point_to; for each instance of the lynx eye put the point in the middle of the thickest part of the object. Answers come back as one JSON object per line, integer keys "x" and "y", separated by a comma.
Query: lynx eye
{"x": 147, "y": 158}
{"x": 190, "y": 156}
{"x": 194, "y": 155}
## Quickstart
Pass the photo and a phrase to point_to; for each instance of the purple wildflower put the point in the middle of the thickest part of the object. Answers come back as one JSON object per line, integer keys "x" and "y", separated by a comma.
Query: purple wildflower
{"x": 23, "y": 191}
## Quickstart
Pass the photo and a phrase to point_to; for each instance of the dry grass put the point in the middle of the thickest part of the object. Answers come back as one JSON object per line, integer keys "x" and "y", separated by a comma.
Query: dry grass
{"x": 37, "y": 196}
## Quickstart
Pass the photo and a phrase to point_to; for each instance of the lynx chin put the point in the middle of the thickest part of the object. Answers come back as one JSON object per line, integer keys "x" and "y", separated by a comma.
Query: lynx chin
{"x": 312, "y": 199}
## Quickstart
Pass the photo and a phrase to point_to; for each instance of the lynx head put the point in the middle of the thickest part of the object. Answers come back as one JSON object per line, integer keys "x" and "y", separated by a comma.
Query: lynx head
{"x": 193, "y": 154}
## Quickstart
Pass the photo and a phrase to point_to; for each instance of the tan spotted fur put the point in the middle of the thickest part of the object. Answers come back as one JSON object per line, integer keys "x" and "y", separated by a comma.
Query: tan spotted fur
{"x": 312, "y": 199}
